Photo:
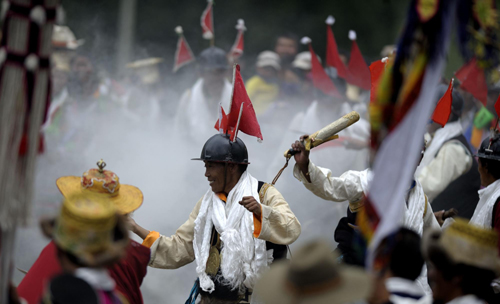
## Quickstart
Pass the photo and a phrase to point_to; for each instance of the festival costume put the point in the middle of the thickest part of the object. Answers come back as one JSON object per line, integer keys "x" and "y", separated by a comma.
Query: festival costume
{"x": 128, "y": 272}
{"x": 352, "y": 186}
{"x": 448, "y": 173}
{"x": 227, "y": 241}
{"x": 404, "y": 291}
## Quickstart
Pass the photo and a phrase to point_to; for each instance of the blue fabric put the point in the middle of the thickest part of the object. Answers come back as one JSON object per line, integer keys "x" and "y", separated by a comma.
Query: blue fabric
{"x": 195, "y": 291}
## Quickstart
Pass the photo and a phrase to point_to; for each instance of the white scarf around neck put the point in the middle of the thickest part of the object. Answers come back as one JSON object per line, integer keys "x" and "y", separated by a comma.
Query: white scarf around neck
{"x": 243, "y": 256}
{"x": 442, "y": 135}
{"x": 483, "y": 214}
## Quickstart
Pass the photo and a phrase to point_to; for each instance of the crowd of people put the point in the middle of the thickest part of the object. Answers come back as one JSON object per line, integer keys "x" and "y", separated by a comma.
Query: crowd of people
{"x": 238, "y": 233}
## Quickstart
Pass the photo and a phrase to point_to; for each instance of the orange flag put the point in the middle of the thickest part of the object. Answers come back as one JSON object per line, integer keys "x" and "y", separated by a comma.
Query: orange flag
{"x": 443, "y": 108}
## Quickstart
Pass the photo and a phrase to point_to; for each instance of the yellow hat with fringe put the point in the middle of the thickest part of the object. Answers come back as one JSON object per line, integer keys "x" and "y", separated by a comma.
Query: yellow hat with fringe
{"x": 126, "y": 198}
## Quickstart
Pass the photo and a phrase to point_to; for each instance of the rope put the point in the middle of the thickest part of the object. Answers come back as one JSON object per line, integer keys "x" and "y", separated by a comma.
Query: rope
{"x": 281, "y": 171}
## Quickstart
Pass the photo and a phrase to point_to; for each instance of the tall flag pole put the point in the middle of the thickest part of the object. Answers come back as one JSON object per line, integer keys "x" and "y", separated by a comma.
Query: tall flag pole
{"x": 183, "y": 53}
{"x": 207, "y": 23}
{"x": 399, "y": 115}
{"x": 237, "y": 48}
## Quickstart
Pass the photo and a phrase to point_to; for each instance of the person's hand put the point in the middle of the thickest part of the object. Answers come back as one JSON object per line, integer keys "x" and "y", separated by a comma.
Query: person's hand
{"x": 302, "y": 155}
{"x": 442, "y": 215}
{"x": 251, "y": 205}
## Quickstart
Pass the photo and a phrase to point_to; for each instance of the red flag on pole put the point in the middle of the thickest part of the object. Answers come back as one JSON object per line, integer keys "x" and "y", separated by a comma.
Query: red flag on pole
{"x": 332, "y": 54}
{"x": 472, "y": 80}
{"x": 221, "y": 123}
{"x": 183, "y": 53}
{"x": 207, "y": 21}
{"x": 497, "y": 106}
{"x": 241, "y": 109}
{"x": 319, "y": 77}
{"x": 359, "y": 73}
{"x": 237, "y": 49}
{"x": 376, "y": 70}
{"x": 443, "y": 108}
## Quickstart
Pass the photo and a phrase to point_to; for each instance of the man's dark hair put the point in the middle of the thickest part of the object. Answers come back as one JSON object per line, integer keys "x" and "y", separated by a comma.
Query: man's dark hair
{"x": 400, "y": 253}
{"x": 493, "y": 166}
{"x": 287, "y": 35}
{"x": 475, "y": 281}
{"x": 406, "y": 258}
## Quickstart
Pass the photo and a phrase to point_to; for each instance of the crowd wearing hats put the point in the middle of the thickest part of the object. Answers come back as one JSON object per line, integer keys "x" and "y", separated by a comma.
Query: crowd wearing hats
{"x": 244, "y": 234}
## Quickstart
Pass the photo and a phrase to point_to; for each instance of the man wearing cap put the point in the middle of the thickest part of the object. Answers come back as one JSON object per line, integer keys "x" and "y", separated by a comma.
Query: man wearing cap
{"x": 129, "y": 271}
{"x": 89, "y": 236}
{"x": 448, "y": 172}
{"x": 234, "y": 231}
{"x": 263, "y": 88}
{"x": 198, "y": 106}
{"x": 463, "y": 261}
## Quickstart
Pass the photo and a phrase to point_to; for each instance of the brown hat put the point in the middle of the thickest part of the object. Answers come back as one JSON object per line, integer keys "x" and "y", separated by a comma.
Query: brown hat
{"x": 464, "y": 243}
{"x": 313, "y": 277}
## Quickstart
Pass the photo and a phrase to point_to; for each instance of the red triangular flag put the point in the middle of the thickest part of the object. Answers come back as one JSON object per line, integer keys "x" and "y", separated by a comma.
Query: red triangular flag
{"x": 237, "y": 49}
{"x": 443, "y": 108}
{"x": 320, "y": 79}
{"x": 376, "y": 70}
{"x": 223, "y": 118}
{"x": 332, "y": 53}
{"x": 359, "y": 73}
{"x": 207, "y": 21}
{"x": 240, "y": 101}
{"x": 497, "y": 106}
{"x": 472, "y": 80}
{"x": 183, "y": 53}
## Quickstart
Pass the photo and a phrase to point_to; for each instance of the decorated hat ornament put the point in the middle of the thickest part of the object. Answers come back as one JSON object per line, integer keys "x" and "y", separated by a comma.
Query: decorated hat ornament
{"x": 126, "y": 198}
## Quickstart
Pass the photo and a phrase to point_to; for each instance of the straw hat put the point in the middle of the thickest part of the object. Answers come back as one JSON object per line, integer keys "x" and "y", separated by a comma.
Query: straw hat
{"x": 64, "y": 38}
{"x": 464, "y": 243}
{"x": 89, "y": 227}
{"x": 313, "y": 277}
{"x": 147, "y": 69}
{"x": 126, "y": 198}
{"x": 268, "y": 59}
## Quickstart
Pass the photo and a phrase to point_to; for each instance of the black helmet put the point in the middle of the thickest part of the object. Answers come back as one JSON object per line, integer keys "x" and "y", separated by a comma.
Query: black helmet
{"x": 213, "y": 58}
{"x": 219, "y": 148}
{"x": 490, "y": 151}
{"x": 457, "y": 103}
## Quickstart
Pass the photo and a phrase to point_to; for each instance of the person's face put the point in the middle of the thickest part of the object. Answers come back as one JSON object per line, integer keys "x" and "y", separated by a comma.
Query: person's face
{"x": 216, "y": 175}
{"x": 441, "y": 288}
{"x": 213, "y": 78}
{"x": 82, "y": 68}
{"x": 286, "y": 48}
{"x": 268, "y": 72}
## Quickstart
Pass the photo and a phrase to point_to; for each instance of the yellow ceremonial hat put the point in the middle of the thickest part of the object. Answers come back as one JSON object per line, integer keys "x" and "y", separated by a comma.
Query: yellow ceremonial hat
{"x": 126, "y": 198}
{"x": 89, "y": 227}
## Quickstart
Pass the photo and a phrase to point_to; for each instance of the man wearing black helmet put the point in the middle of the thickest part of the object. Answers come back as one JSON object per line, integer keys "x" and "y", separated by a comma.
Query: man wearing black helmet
{"x": 448, "y": 172}
{"x": 233, "y": 233}
{"x": 197, "y": 109}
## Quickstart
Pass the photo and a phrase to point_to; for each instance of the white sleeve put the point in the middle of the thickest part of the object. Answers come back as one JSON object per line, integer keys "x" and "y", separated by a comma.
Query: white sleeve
{"x": 452, "y": 161}
{"x": 347, "y": 187}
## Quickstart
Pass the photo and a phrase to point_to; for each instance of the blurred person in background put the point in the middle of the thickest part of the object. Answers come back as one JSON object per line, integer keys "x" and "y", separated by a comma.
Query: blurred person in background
{"x": 199, "y": 106}
{"x": 463, "y": 261}
{"x": 313, "y": 277}
{"x": 286, "y": 46}
{"x": 263, "y": 88}
{"x": 89, "y": 237}
{"x": 398, "y": 263}
{"x": 448, "y": 172}
{"x": 142, "y": 100}
{"x": 234, "y": 232}
{"x": 129, "y": 271}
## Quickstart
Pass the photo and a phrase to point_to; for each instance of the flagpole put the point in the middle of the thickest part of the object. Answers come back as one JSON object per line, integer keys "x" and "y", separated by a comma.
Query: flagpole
{"x": 238, "y": 123}
{"x": 232, "y": 89}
